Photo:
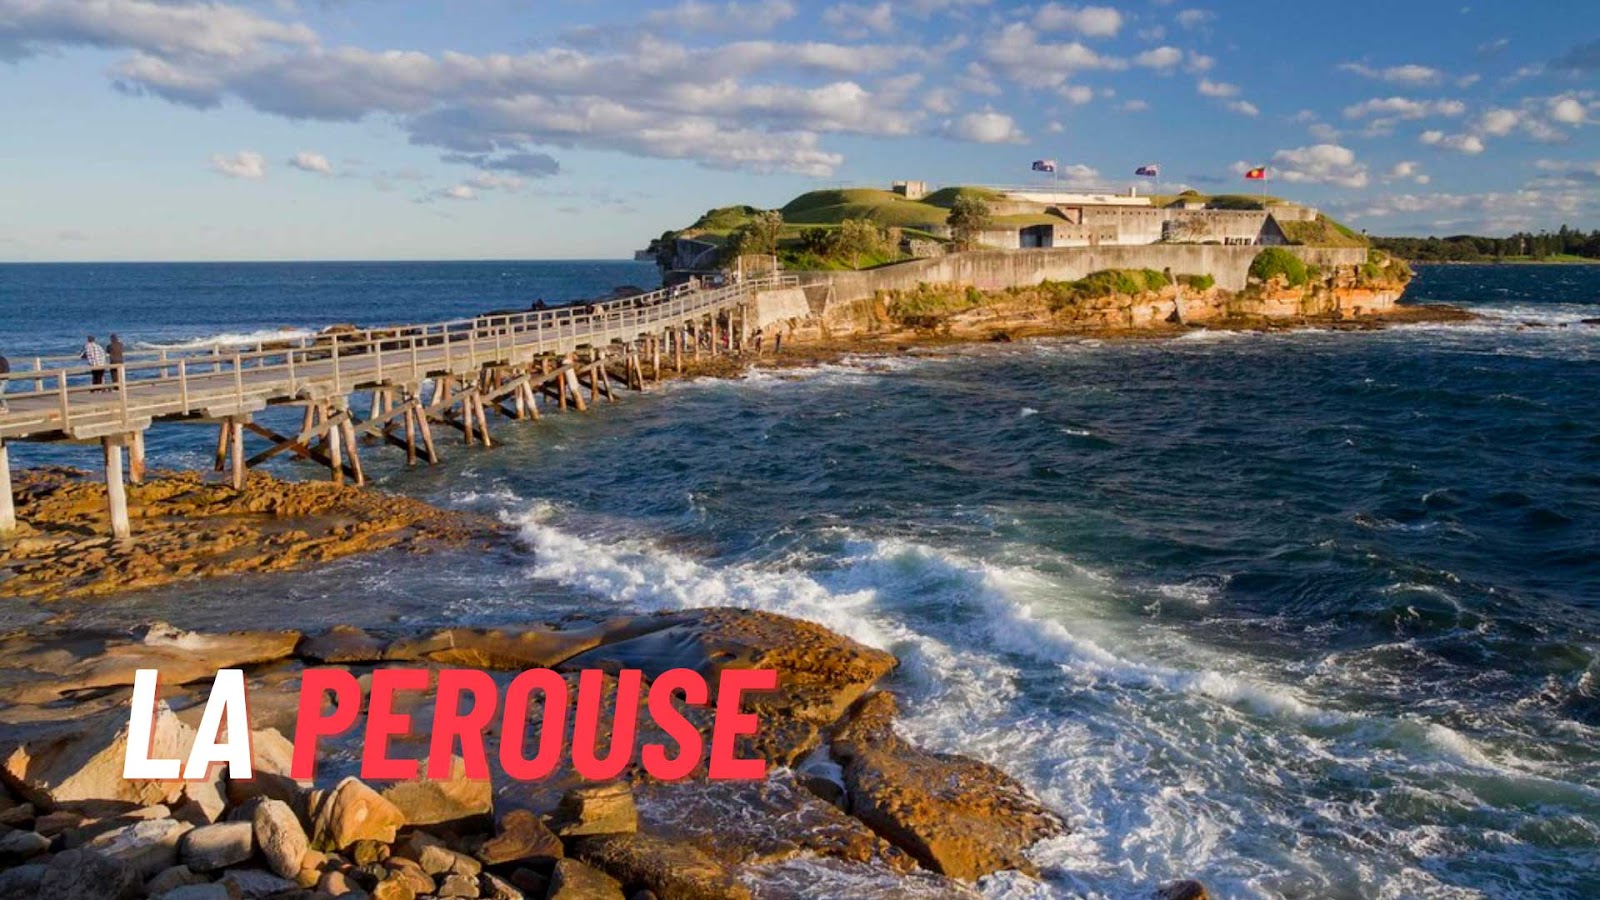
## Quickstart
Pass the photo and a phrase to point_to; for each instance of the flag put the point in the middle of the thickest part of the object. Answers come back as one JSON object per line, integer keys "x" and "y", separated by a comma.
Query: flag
{"x": 1259, "y": 173}
{"x": 1151, "y": 171}
{"x": 1044, "y": 165}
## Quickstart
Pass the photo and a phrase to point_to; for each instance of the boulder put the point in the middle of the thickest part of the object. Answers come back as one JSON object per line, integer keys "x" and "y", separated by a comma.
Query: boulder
{"x": 149, "y": 846}
{"x": 573, "y": 880}
{"x": 522, "y": 837}
{"x": 440, "y": 861}
{"x": 350, "y": 812}
{"x": 409, "y": 873}
{"x": 18, "y": 845}
{"x": 22, "y": 882}
{"x": 213, "y": 847}
{"x": 458, "y": 801}
{"x": 58, "y": 761}
{"x": 271, "y": 755}
{"x": 458, "y": 886}
{"x": 280, "y": 837}
{"x": 673, "y": 871}
{"x": 478, "y": 648}
{"x": 173, "y": 878}
{"x": 597, "y": 809}
{"x": 492, "y": 887}
{"x": 255, "y": 884}
{"x": 957, "y": 816}
{"x": 211, "y": 890}
{"x": 87, "y": 875}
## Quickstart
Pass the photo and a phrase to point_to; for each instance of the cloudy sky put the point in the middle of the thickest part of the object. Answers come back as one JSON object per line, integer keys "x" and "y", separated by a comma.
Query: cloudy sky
{"x": 363, "y": 129}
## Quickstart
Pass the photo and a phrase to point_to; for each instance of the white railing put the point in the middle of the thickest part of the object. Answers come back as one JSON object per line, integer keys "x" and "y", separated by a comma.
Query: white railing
{"x": 166, "y": 382}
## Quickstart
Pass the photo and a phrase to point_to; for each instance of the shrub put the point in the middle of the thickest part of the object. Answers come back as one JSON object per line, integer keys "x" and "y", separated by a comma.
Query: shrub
{"x": 969, "y": 216}
{"x": 1275, "y": 261}
{"x": 1104, "y": 283}
{"x": 1198, "y": 282}
{"x": 927, "y": 305}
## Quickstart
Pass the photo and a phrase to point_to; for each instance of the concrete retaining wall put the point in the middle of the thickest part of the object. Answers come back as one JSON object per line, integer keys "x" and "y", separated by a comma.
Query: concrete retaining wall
{"x": 998, "y": 269}
{"x": 780, "y": 306}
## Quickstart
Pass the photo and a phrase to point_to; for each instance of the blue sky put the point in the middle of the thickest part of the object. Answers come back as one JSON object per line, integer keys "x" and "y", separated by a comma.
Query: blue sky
{"x": 368, "y": 129}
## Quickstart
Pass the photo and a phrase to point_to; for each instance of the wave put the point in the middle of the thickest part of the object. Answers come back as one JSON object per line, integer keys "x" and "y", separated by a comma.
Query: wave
{"x": 231, "y": 339}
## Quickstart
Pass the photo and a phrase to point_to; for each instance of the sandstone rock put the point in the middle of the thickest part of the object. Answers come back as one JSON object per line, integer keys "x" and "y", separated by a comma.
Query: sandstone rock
{"x": 20, "y": 815}
{"x": 204, "y": 801}
{"x": 674, "y": 871}
{"x": 53, "y": 823}
{"x": 280, "y": 837}
{"x": 572, "y": 880}
{"x": 458, "y": 886}
{"x": 532, "y": 648}
{"x": 149, "y": 846}
{"x": 87, "y": 875}
{"x": 181, "y": 656}
{"x": 255, "y": 884}
{"x": 494, "y": 888}
{"x": 1182, "y": 890}
{"x": 271, "y": 755}
{"x": 393, "y": 889}
{"x": 53, "y": 762}
{"x": 350, "y": 812}
{"x": 214, "y": 847}
{"x": 172, "y": 878}
{"x": 957, "y": 816}
{"x": 597, "y": 809}
{"x": 342, "y": 644}
{"x": 409, "y": 873}
{"x": 441, "y": 861}
{"x": 458, "y": 801}
{"x": 338, "y": 884}
{"x": 18, "y": 846}
{"x": 364, "y": 853}
{"x": 522, "y": 837}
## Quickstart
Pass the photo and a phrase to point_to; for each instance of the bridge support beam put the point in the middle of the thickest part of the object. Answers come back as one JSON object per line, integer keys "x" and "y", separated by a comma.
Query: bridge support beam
{"x": 136, "y": 457}
{"x": 8, "y": 509}
{"x": 116, "y": 492}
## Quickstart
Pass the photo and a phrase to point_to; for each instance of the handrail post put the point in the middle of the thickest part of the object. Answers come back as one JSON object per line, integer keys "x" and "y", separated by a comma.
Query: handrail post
{"x": 121, "y": 371}
{"x": 291, "y": 372}
{"x": 238, "y": 380}
{"x": 38, "y": 367}
{"x": 183, "y": 383}
{"x": 336, "y": 363}
{"x": 66, "y": 407}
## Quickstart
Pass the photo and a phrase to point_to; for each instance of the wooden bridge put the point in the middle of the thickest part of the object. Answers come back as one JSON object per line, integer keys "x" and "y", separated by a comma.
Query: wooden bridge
{"x": 446, "y": 373}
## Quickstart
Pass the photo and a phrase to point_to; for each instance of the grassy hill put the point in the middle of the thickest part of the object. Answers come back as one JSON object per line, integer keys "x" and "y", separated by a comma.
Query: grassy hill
{"x": 1323, "y": 232}
{"x": 831, "y": 207}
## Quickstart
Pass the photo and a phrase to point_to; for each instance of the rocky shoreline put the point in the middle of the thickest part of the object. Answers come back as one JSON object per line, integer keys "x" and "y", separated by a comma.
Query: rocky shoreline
{"x": 849, "y": 809}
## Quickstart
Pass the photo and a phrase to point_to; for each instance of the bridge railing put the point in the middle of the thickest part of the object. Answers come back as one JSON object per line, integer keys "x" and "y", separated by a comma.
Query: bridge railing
{"x": 154, "y": 383}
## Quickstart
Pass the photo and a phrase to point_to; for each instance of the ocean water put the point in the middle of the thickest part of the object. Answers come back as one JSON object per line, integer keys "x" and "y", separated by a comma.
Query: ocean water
{"x": 1305, "y": 614}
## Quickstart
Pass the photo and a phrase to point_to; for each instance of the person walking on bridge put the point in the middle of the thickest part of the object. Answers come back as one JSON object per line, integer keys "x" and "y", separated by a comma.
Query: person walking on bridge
{"x": 94, "y": 356}
{"x": 5, "y": 369}
{"x": 116, "y": 355}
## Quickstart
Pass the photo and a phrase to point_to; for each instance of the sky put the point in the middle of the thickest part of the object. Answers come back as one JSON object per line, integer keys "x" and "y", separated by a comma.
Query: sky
{"x": 520, "y": 129}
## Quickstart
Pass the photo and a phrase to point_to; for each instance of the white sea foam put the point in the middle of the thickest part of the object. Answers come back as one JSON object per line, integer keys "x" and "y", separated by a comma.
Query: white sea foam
{"x": 230, "y": 339}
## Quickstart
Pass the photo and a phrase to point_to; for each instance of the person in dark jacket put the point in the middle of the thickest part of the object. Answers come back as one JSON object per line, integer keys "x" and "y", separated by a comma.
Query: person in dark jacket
{"x": 5, "y": 369}
{"x": 115, "y": 354}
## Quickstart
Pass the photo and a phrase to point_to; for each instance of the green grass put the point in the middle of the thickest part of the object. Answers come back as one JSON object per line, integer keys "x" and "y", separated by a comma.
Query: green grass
{"x": 884, "y": 207}
{"x": 945, "y": 198}
{"x": 1024, "y": 220}
{"x": 1322, "y": 232}
{"x": 1104, "y": 283}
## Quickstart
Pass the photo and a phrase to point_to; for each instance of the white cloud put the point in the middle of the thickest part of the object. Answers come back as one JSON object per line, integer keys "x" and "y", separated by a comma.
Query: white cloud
{"x": 1194, "y": 18}
{"x": 1470, "y": 144}
{"x": 986, "y": 128}
{"x": 1244, "y": 108}
{"x": 1209, "y": 88}
{"x": 1091, "y": 21}
{"x": 205, "y": 30}
{"x": 1568, "y": 110}
{"x": 459, "y": 192}
{"x": 1159, "y": 58}
{"x": 1409, "y": 74}
{"x": 1135, "y": 106}
{"x": 307, "y": 161}
{"x": 857, "y": 20}
{"x": 1076, "y": 94}
{"x": 246, "y": 164}
{"x": 1499, "y": 122}
{"x": 490, "y": 181}
{"x": 1404, "y": 108}
{"x": 1321, "y": 164}
{"x": 1406, "y": 170}
{"x": 1017, "y": 51}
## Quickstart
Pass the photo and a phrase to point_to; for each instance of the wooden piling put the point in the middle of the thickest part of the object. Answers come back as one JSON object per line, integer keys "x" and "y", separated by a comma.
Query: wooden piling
{"x": 331, "y": 443}
{"x": 236, "y": 439}
{"x": 116, "y": 493}
{"x": 136, "y": 457}
{"x": 8, "y": 508}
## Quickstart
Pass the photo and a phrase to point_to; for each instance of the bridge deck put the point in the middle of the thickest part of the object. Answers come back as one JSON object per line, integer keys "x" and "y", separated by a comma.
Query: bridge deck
{"x": 54, "y": 399}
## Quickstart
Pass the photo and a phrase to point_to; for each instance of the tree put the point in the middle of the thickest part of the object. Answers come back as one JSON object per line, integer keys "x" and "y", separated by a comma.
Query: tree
{"x": 759, "y": 236}
{"x": 857, "y": 238}
{"x": 969, "y": 217}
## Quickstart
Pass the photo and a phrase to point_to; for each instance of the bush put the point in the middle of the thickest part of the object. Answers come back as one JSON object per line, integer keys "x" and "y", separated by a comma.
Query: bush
{"x": 1275, "y": 261}
{"x": 1197, "y": 282}
{"x": 927, "y": 305}
{"x": 1103, "y": 283}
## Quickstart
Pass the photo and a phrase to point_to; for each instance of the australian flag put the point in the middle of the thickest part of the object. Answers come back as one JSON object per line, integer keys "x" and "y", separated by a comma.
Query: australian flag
{"x": 1044, "y": 165}
{"x": 1150, "y": 171}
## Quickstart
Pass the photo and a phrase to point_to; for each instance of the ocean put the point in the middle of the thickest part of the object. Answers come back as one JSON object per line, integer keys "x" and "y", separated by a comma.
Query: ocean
{"x": 1301, "y": 614}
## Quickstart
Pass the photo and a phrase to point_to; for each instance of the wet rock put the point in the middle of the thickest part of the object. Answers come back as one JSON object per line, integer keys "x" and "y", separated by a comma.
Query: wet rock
{"x": 1182, "y": 890}
{"x": 957, "y": 816}
{"x": 18, "y": 816}
{"x": 523, "y": 837}
{"x": 459, "y": 801}
{"x": 149, "y": 846}
{"x": 87, "y": 875}
{"x": 820, "y": 673}
{"x": 280, "y": 836}
{"x": 572, "y": 880}
{"x": 342, "y": 644}
{"x": 214, "y": 847}
{"x": 674, "y": 871}
{"x": 597, "y": 809}
{"x": 350, "y": 812}
{"x": 534, "y": 648}
{"x": 18, "y": 846}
